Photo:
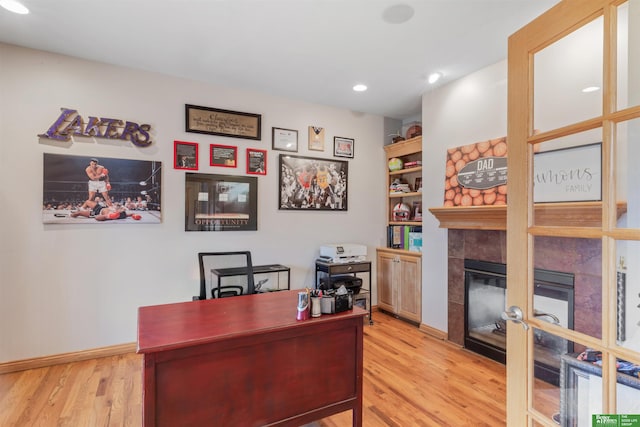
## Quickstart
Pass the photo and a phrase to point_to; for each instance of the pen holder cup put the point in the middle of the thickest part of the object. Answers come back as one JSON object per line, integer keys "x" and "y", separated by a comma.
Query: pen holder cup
{"x": 316, "y": 308}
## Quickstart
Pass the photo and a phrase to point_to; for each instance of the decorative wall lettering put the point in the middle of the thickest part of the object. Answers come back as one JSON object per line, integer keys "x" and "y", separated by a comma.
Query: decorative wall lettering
{"x": 70, "y": 123}
{"x": 571, "y": 174}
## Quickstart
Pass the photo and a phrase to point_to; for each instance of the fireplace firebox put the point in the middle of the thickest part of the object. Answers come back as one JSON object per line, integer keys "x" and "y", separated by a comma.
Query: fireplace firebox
{"x": 485, "y": 300}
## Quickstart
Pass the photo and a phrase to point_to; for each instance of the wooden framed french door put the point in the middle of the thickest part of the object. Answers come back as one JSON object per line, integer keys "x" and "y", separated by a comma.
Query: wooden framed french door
{"x": 574, "y": 207}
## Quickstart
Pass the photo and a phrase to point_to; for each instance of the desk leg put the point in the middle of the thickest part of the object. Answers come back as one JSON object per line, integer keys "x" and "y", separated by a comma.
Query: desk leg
{"x": 357, "y": 411}
{"x": 370, "y": 299}
{"x": 149, "y": 391}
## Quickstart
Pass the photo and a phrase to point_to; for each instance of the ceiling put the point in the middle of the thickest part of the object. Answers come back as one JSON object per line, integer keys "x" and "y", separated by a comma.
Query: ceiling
{"x": 312, "y": 50}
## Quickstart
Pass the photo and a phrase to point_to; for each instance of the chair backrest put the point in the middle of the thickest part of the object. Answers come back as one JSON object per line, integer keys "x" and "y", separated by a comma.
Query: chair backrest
{"x": 224, "y": 274}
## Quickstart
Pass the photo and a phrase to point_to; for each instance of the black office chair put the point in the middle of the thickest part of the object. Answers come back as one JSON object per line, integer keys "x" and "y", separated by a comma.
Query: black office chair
{"x": 225, "y": 274}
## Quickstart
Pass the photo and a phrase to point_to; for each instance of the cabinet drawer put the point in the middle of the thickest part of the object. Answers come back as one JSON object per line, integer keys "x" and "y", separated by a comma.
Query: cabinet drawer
{"x": 349, "y": 268}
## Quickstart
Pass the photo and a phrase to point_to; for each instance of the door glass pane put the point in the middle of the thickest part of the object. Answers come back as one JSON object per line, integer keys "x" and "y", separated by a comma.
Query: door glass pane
{"x": 628, "y": 54}
{"x": 568, "y": 283}
{"x": 627, "y": 153}
{"x": 581, "y": 387}
{"x": 628, "y": 388}
{"x": 628, "y": 294}
{"x": 566, "y": 74}
{"x": 551, "y": 354}
{"x": 568, "y": 170}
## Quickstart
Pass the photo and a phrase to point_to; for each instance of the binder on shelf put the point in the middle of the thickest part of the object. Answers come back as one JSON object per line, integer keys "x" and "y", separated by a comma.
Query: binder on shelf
{"x": 407, "y": 237}
{"x": 415, "y": 241}
{"x": 396, "y": 236}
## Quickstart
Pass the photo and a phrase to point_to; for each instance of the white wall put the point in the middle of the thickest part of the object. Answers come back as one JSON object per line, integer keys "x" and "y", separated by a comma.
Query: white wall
{"x": 66, "y": 288}
{"x": 466, "y": 111}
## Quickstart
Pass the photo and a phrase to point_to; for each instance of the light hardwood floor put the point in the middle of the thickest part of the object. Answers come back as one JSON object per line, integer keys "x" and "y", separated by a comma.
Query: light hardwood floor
{"x": 410, "y": 379}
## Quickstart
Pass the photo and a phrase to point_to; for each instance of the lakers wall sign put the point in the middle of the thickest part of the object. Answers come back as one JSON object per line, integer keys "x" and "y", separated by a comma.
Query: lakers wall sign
{"x": 71, "y": 123}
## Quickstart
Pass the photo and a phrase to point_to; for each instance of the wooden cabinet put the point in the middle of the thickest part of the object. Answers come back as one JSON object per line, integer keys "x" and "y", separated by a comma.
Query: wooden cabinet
{"x": 399, "y": 270}
{"x": 399, "y": 275}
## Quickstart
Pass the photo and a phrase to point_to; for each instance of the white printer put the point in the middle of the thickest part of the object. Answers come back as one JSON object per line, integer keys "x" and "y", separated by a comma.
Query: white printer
{"x": 343, "y": 252}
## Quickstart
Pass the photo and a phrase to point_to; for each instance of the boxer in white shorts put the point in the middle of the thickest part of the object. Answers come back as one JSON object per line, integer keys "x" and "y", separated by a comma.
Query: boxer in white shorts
{"x": 98, "y": 181}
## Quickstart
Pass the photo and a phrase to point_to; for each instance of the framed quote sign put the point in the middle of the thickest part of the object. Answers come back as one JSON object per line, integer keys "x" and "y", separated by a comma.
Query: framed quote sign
{"x": 215, "y": 121}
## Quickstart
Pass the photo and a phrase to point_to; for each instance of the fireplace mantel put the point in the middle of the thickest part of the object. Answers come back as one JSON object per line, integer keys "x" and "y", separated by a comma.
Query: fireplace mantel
{"x": 575, "y": 214}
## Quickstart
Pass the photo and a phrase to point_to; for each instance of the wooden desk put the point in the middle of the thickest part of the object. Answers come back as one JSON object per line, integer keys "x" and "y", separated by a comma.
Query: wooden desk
{"x": 246, "y": 361}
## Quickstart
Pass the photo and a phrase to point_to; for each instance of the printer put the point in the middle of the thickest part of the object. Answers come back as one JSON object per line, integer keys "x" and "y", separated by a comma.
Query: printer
{"x": 343, "y": 252}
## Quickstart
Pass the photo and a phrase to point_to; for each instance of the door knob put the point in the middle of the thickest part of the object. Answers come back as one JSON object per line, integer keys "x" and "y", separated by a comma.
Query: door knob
{"x": 515, "y": 315}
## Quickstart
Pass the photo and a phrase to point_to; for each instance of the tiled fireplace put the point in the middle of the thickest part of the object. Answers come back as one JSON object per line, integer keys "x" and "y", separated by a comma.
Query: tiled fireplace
{"x": 581, "y": 257}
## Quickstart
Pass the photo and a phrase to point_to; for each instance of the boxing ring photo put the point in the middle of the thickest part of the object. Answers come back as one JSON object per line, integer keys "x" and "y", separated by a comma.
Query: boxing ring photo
{"x": 84, "y": 189}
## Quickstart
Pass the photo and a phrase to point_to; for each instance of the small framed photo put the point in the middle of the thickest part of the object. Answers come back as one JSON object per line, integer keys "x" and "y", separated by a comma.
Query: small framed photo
{"x": 284, "y": 139}
{"x": 417, "y": 187}
{"x": 316, "y": 138}
{"x": 185, "y": 155}
{"x": 256, "y": 161}
{"x": 225, "y": 156}
{"x": 343, "y": 147}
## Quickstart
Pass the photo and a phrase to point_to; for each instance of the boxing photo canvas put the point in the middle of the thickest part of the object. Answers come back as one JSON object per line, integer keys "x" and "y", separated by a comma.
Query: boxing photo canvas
{"x": 100, "y": 190}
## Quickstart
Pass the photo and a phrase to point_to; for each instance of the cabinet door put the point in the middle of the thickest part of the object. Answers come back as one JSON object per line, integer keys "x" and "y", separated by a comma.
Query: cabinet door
{"x": 409, "y": 287}
{"x": 386, "y": 288}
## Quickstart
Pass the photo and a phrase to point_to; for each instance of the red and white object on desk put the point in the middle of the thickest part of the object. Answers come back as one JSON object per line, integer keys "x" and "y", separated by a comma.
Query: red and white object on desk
{"x": 303, "y": 310}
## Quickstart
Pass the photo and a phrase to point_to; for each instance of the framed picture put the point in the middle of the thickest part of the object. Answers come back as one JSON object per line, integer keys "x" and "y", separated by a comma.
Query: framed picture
{"x": 343, "y": 147}
{"x": 225, "y": 156}
{"x": 488, "y": 172}
{"x": 215, "y": 121}
{"x": 316, "y": 138}
{"x": 88, "y": 190}
{"x": 185, "y": 155}
{"x": 308, "y": 183}
{"x": 256, "y": 161}
{"x": 284, "y": 139}
{"x": 220, "y": 202}
{"x": 568, "y": 174}
{"x": 417, "y": 186}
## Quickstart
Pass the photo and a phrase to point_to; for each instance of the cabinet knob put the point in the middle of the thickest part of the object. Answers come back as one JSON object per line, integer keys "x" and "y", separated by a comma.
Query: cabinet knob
{"x": 350, "y": 268}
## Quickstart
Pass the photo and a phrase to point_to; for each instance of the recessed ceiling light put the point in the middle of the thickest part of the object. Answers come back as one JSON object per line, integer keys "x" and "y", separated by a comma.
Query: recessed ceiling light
{"x": 434, "y": 77}
{"x": 397, "y": 14}
{"x": 14, "y": 6}
{"x": 590, "y": 89}
{"x": 360, "y": 88}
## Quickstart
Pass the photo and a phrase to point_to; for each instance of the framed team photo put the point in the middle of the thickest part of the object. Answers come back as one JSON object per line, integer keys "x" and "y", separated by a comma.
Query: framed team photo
{"x": 308, "y": 183}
